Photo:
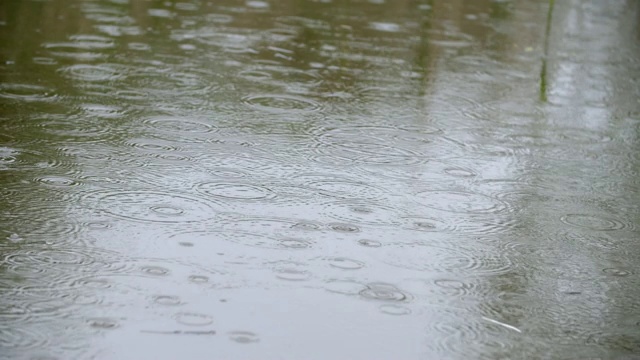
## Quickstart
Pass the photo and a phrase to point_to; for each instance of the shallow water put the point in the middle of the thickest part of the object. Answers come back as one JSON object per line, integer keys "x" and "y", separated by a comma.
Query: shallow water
{"x": 319, "y": 180}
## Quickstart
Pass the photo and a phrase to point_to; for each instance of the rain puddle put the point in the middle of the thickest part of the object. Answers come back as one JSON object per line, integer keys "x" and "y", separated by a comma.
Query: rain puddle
{"x": 319, "y": 179}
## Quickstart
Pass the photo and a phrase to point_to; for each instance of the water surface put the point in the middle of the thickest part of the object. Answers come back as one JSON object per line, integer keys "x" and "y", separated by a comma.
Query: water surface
{"x": 319, "y": 180}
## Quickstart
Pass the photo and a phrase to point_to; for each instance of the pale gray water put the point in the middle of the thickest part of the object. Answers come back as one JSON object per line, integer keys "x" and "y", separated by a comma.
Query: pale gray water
{"x": 319, "y": 180}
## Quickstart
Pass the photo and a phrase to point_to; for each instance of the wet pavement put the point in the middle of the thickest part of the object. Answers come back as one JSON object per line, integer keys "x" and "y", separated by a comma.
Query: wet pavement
{"x": 319, "y": 180}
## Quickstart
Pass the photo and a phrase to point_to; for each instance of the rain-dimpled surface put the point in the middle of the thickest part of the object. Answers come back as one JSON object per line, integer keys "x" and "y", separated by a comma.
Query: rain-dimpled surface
{"x": 368, "y": 179}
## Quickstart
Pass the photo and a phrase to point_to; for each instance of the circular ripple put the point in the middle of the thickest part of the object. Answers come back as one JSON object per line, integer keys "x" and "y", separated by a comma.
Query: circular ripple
{"x": 290, "y": 228}
{"x": 460, "y": 202}
{"x": 365, "y": 153}
{"x": 45, "y": 224}
{"x": 460, "y": 172}
{"x": 291, "y": 271}
{"x": 345, "y": 287}
{"x": 427, "y": 224}
{"x": 243, "y": 337}
{"x": 167, "y": 300}
{"x": 281, "y": 103}
{"x": 56, "y": 181}
{"x": 292, "y": 274}
{"x": 78, "y": 129}
{"x": 152, "y": 206}
{"x": 395, "y": 310}
{"x": 155, "y": 270}
{"x": 235, "y": 191}
{"x": 443, "y": 259}
{"x": 176, "y": 124}
{"x": 593, "y": 222}
{"x": 370, "y": 243}
{"x": 380, "y": 145}
{"x": 361, "y": 212}
{"x": 238, "y": 237}
{"x": 24, "y": 92}
{"x": 452, "y": 287}
{"x": 384, "y": 292}
{"x": 344, "y": 189}
{"x": 86, "y": 72}
{"x": 20, "y": 338}
{"x": 344, "y": 228}
{"x": 198, "y": 279}
{"x": 616, "y": 272}
{"x": 292, "y": 243}
{"x": 193, "y": 319}
{"x": 345, "y": 263}
{"x": 103, "y": 323}
{"x": 180, "y": 129}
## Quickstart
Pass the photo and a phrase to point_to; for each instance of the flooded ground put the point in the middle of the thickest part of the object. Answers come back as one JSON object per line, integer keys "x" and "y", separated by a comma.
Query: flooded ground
{"x": 319, "y": 180}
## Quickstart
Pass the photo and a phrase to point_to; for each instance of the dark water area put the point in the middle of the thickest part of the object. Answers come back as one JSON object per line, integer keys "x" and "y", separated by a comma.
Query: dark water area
{"x": 319, "y": 179}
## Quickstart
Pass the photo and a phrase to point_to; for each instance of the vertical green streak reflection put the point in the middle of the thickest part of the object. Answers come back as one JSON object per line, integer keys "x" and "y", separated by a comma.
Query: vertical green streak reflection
{"x": 543, "y": 70}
